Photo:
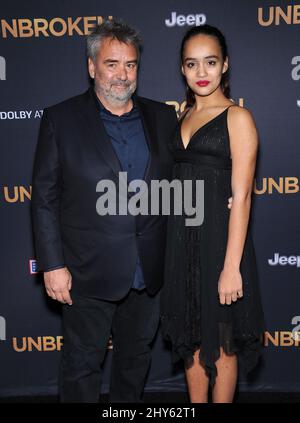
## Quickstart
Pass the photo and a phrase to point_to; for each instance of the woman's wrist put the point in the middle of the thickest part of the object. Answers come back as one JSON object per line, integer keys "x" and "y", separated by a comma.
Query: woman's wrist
{"x": 231, "y": 266}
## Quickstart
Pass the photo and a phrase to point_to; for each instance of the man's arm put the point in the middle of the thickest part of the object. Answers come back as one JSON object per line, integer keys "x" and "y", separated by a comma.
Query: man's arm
{"x": 45, "y": 202}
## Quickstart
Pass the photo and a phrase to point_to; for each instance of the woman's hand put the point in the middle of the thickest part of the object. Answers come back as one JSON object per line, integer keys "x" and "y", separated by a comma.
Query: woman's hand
{"x": 230, "y": 286}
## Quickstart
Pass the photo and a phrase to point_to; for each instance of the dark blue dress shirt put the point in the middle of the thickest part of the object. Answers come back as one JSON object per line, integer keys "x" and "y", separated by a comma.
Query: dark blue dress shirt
{"x": 127, "y": 136}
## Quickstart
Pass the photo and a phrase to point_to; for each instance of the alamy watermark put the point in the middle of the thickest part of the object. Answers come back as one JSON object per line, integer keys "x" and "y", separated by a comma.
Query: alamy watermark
{"x": 296, "y": 330}
{"x": 177, "y": 197}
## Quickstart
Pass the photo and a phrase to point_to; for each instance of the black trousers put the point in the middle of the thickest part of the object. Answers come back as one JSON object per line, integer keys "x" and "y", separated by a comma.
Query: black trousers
{"x": 86, "y": 327}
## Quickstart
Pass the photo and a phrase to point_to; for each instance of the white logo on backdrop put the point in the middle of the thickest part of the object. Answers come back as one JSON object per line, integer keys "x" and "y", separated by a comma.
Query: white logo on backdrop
{"x": 182, "y": 20}
{"x": 296, "y": 330}
{"x": 2, "y": 329}
{"x": 284, "y": 260}
{"x": 21, "y": 114}
{"x": 296, "y": 71}
{"x": 2, "y": 69}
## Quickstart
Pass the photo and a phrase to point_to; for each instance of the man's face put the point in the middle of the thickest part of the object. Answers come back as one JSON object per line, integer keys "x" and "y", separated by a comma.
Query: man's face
{"x": 115, "y": 70}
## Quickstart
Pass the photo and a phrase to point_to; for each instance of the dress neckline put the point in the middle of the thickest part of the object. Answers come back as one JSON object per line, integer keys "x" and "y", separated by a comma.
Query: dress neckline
{"x": 200, "y": 128}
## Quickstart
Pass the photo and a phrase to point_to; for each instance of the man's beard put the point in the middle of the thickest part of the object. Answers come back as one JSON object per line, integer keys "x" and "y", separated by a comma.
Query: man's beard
{"x": 117, "y": 97}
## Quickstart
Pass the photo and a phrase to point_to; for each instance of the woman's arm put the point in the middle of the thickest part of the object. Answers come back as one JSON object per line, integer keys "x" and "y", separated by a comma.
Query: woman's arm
{"x": 243, "y": 146}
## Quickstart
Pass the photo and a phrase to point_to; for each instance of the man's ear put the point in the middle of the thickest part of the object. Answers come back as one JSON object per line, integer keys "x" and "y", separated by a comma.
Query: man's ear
{"x": 91, "y": 68}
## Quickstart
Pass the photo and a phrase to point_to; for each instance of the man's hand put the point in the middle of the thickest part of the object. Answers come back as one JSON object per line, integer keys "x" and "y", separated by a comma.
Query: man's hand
{"x": 58, "y": 284}
{"x": 229, "y": 203}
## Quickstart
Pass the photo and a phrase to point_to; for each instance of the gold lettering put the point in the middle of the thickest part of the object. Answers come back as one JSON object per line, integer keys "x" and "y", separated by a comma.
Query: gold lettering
{"x": 286, "y": 17}
{"x": 54, "y": 31}
{"x": 43, "y": 344}
{"x": 286, "y": 185}
{"x": 6, "y": 27}
{"x": 16, "y": 195}
{"x": 272, "y": 183}
{"x": 274, "y": 340}
{"x": 99, "y": 20}
{"x": 56, "y": 26}
{"x": 73, "y": 26}
{"x": 15, "y": 345}
{"x": 25, "y": 28}
{"x": 40, "y": 26}
{"x": 241, "y": 102}
{"x": 290, "y": 16}
{"x": 260, "y": 16}
{"x": 24, "y": 193}
{"x": 59, "y": 341}
{"x": 183, "y": 106}
{"x": 281, "y": 339}
{"x": 36, "y": 344}
{"x": 88, "y": 24}
{"x": 49, "y": 343}
{"x": 286, "y": 339}
{"x": 296, "y": 19}
{"x": 264, "y": 186}
{"x": 291, "y": 185}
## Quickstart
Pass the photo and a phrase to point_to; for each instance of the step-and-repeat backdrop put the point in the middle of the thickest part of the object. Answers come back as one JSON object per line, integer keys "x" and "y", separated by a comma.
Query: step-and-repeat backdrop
{"x": 42, "y": 62}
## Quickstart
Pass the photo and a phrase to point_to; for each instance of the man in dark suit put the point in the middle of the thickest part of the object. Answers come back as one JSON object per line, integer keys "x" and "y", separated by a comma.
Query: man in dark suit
{"x": 106, "y": 270}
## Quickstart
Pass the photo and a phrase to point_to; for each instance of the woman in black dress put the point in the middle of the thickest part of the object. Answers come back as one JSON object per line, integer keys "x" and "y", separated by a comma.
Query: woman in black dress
{"x": 211, "y": 307}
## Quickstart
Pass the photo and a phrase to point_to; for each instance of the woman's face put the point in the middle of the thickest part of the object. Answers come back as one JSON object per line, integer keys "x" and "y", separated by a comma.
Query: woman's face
{"x": 203, "y": 64}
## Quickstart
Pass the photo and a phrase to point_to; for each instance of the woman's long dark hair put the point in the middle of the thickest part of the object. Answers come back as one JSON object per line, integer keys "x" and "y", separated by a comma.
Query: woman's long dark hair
{"x": 213, "y": 32}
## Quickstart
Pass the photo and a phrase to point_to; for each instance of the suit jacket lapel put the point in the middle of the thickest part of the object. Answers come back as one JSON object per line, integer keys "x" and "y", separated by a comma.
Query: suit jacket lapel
{"x": 98, "y": 132}
{"x": 101, "y": 139}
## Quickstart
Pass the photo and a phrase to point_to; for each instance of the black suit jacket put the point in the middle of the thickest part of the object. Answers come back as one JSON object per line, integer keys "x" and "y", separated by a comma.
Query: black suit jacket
{"x": 73, "y": 154}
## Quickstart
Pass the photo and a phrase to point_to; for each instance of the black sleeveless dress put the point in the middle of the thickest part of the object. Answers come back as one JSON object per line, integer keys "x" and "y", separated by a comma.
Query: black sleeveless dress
{"x": 191, "y": 314}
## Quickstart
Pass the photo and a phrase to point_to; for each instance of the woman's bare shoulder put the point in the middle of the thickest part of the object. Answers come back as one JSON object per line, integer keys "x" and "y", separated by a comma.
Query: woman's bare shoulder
{"x": 240, "y": 118}
{"x": 240, "y": 113}
{"x": 241, "y": 127}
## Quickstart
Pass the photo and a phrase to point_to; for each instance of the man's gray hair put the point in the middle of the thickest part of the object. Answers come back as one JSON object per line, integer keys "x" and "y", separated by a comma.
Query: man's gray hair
{"x": 113, "y": 29}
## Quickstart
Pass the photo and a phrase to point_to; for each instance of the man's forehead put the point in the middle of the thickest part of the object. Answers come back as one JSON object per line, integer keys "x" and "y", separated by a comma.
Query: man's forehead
{"x": 113, "y": 47}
